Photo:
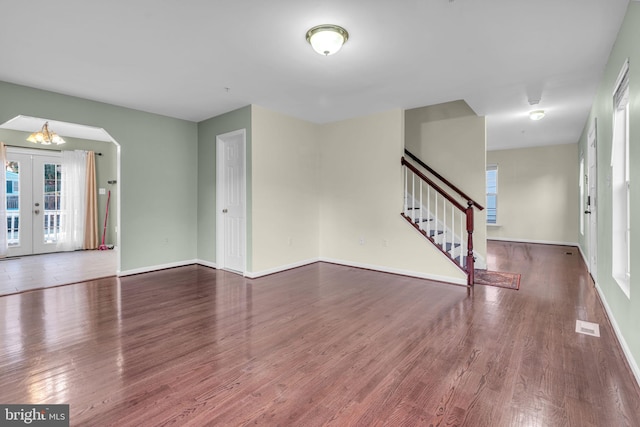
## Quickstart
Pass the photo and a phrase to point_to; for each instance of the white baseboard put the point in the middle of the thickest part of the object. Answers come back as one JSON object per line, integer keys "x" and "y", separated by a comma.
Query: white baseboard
{"x": 625, "y": 348}
{"x": 541, "y": 242}
{"x": 401, "y": 272}
{"x": 255, "y": 275}
{"x": 207, "y": 263}
{"x": 480, "y": 263}
{"x": 447, "y": 279}
{"x": 157, "y": 267}
{"x": 584, "y": 258}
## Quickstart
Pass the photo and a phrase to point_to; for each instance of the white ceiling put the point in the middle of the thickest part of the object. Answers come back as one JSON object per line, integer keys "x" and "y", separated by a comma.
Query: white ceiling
{"x": 177, "y": 58}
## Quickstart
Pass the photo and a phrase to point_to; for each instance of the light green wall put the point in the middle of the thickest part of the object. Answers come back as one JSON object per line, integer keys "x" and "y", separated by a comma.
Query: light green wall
{"x": 158, "y": 171}
{"x": 207, "y": 132}
{"x": 285, "y": 190}
{"x": 625, "y": 311}
{"x": 105, "y": 171}
{"x": 537, "y": 194}
{"x": 451, "y": 139}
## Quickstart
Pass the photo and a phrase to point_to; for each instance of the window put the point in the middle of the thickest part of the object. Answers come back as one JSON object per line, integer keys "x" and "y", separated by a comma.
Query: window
{"x": 621, "y": 224}
{"x": 492, "y": 194}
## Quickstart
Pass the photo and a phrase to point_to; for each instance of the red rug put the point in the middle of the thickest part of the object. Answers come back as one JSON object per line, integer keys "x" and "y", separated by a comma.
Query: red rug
{"x": 496, "y": 278}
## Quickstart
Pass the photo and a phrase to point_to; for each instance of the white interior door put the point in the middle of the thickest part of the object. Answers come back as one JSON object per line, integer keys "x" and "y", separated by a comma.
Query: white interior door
{"x": 33, "y": 202}
{"x": 230, "y": 198}
{"x": 592, "y": 200}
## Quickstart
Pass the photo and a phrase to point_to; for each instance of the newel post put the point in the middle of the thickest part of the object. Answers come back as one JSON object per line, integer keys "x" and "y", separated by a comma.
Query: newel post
{"x": 470, "y": 261}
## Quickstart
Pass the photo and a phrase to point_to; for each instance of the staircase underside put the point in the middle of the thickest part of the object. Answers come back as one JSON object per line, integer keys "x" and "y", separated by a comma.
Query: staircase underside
{"x": 444, "y": 248}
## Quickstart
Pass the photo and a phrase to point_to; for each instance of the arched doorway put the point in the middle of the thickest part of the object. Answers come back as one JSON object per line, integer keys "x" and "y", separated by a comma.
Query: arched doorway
{"x": 78, "y": 137}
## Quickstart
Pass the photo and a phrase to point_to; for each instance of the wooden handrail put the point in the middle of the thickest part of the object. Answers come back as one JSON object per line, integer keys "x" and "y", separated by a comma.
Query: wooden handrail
{"x": 439, "y": 189}
{"x": 468, "y": 258}
{"x": 443, "y": 179}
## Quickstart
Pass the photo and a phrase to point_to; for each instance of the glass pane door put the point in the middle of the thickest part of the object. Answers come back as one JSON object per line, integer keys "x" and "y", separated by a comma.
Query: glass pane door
{"x": 12, "y": 174}
{"x": 51, "y": 197}
{"x": 18, "y": 174}
{"x": 33, "y": 202}
{"x": 46, "y": 203}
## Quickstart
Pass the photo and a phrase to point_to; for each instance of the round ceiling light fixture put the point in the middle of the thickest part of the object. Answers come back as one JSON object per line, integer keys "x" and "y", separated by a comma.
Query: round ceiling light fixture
{"x": 536, "y": 114}
{"x": 327, "y": 39}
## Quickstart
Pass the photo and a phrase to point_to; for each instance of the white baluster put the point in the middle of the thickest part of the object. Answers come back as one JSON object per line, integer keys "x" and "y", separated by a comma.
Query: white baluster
{"x": 413, "y": 197}
{"x": 436, "y": 219}
{"x": 429, "y": 209}
{"x": 406, "y": 194}
{"x": 453, "y": 228}
{"x": 420, "y": 214}
{"x": 444, "y": 224}
{"x": 462, "y": 242}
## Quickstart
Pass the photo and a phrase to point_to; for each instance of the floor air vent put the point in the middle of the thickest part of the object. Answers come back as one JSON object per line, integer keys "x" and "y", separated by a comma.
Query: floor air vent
{"x": 587, "y": 328}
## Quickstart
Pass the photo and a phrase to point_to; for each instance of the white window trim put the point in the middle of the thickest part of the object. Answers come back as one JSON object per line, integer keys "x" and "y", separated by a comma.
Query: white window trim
{"x": 493, "y": 166}
{"x": 621, "y": 244}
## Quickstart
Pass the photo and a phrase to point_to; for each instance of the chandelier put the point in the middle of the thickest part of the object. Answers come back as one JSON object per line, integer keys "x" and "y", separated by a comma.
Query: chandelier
{"x": 45, "y": 136}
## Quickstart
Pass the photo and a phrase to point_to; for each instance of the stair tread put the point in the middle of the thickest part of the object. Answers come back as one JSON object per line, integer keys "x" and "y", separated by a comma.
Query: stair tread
{"x": 423, "y": 219}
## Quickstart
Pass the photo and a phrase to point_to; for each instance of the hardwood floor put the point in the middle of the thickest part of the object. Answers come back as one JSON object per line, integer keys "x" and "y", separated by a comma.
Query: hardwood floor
{"x": 25, "y": 273}
{"x": 321, "y": 345}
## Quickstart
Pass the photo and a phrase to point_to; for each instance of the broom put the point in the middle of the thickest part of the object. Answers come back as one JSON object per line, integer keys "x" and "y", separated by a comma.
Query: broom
{"x": 104, "y": 247}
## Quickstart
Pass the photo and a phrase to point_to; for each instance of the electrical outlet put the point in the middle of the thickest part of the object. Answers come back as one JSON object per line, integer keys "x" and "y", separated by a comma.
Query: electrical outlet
{"x": 362, "y": 240}
{"x": 385, "y": 243}
{"x": 290, "y": 241}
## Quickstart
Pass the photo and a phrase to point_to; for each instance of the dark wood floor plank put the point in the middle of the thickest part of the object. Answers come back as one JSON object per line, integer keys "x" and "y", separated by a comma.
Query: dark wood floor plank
{"x": 321, "y": 345}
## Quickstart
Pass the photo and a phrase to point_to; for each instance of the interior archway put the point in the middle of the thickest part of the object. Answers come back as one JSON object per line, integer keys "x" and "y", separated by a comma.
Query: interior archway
{"x": 18, "y": 127}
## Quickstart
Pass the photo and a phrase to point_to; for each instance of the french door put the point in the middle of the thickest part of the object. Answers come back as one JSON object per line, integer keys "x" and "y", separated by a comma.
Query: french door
{"x": 33, "y": 201}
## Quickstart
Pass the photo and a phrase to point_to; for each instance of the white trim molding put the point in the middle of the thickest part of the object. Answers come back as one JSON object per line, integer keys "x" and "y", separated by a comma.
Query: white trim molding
{"x": 585, "y": 259}
{"x": 151, "y": 268}
{"x": 616, "y": 329}
{"x": 378, "y": 268}
{"x": 541, "y": 242}
{"x": 409, "y": 273}
{"x": 255, "y": 275}
{"x": 207, "y": 263}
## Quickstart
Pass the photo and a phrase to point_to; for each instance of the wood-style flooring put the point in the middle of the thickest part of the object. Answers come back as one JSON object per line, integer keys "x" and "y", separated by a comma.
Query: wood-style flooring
{"x": 321, "y": 345}
{"x": 25, "y": 273}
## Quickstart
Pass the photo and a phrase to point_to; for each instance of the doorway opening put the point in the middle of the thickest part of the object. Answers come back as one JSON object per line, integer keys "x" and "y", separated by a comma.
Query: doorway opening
{"x": 36, "y": 168}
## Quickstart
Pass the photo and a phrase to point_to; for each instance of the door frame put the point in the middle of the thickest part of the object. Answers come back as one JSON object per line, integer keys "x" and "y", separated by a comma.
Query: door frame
{"x": 29, "y": 233}
{"x": 105, "y": 137}
{"x": 220, "y": 197}
{"x": 592, "y": 205}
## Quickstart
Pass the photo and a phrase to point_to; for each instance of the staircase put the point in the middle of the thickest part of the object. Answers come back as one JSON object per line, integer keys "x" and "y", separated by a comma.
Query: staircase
{"x": 442, "y": 213}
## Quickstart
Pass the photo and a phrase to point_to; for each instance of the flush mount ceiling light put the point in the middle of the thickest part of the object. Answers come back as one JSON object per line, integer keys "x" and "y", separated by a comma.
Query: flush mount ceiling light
{"x": 327, "y": 39}
{"x": 45, "y": 136}
{"x": 536, "y": 114}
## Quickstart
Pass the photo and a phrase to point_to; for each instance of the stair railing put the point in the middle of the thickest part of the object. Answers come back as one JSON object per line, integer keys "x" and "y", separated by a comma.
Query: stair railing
{"x": 442, "y": 179}
{"x": 437, "y": 215}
